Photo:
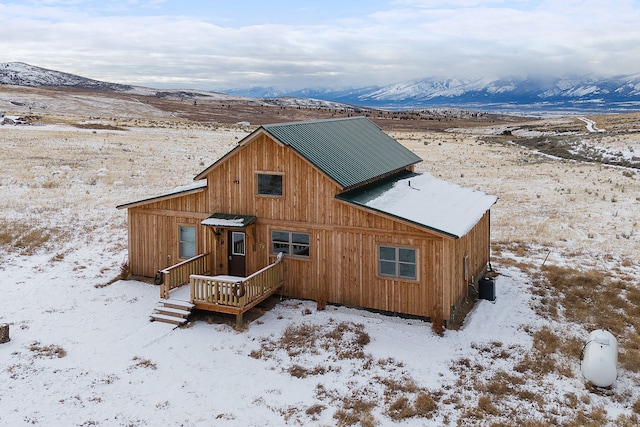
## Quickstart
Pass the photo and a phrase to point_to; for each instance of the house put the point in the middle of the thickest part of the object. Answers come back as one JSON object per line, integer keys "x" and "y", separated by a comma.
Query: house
{"x": 340, "y": 200}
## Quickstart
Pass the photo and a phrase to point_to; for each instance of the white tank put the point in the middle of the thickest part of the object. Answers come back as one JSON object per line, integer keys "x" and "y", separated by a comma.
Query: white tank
{"x": 600, "y": 358}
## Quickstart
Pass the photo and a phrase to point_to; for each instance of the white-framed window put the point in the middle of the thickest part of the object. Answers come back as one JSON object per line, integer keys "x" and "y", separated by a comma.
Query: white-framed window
{"x": 397, "y": 262}
{"x": 187, "y": 241}
{"x": 269, "y": 184}
{"x": 238, "y": 243}
{"x": 290, "y": 243}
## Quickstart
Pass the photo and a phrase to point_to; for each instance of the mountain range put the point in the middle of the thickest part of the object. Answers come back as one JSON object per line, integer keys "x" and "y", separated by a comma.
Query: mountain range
{"x": 588, "y": 92}
{"x": 579, "y": 93}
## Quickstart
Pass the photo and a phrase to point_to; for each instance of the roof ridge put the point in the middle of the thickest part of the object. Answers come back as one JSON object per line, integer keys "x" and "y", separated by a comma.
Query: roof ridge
{"x": 333, "y": 119}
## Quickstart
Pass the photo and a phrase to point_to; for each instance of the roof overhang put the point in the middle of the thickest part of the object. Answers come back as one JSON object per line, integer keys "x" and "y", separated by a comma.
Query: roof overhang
{"x": 179, "y": 192}
{"x": 222, "y": 220}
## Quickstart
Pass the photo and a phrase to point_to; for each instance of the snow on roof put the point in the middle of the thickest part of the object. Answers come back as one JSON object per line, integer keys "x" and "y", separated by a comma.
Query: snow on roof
{"x": 176, "y": 191}
{"x": 221, "y": 222}
{"x": 219, "y": 219}
{"x": 434, "y": 203}
{"x": 193, "y": 186}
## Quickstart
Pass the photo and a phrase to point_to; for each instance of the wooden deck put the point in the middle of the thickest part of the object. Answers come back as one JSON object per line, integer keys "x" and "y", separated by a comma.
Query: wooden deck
{"x": 181, "y": 294}
{"x": 222, "y": 294}
{"x": 236, "y": 295}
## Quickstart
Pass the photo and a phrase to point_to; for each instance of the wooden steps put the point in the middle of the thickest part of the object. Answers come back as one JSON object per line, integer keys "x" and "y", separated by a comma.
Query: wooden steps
{"x": 172, "y": 311}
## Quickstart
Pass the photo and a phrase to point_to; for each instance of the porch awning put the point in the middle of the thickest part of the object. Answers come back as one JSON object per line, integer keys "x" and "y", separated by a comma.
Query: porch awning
{"x": 229, "y": 220}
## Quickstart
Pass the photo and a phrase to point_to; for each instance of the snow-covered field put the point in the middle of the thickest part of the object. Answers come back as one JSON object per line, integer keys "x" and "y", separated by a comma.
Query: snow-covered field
{"x": 83, "y": 351}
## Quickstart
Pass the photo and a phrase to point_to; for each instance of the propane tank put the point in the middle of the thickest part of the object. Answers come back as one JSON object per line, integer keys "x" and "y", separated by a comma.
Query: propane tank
{"x": 600, "y": 358}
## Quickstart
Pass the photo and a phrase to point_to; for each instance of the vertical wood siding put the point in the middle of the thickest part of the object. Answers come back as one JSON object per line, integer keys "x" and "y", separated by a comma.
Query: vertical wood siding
{"x": 342, "y": 266}
{"x": 153, "y": 231}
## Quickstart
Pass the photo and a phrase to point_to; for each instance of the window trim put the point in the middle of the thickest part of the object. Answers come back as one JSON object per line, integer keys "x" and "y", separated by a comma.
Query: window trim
{"x": 244, "y": 243}
{"x": 397, "y": 263}
{"x": 290, "y": 244}
{"x": 258, "y": 173}
{"x": 195, "y": 240}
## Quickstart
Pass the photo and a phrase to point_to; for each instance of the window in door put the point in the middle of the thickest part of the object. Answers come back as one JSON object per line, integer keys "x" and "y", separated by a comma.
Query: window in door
{"x": 238, "y": 243}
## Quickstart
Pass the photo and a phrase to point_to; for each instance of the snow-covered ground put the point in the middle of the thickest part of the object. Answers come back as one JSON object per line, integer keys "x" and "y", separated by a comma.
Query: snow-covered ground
{"x": 82, "y": 353}
{"x": 121, "y": 369}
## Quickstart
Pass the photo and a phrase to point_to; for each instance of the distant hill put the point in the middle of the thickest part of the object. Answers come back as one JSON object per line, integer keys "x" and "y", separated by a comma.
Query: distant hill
{"x": 21, "y": 74}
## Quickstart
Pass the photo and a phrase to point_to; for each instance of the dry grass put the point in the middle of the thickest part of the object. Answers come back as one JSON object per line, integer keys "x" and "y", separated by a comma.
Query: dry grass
{"x": 595, "y": 417}
{"x": 98, "y": 126}
{"x": 425, "y": 406}
{"x": 302, "y": 372}
{"x": 26, "y": 237}
{"x": 143, "y": 363}
{"x": 315, "y": 409}
{"x": 47, "y": 351}
{"x": 355, "y": 410}
{"x": 391, "y": 388}
{"x": 401, "y": 408}
{"x": 597, "y": 301}
{"x": 501, "y": 393}
{"x": 343, "y": 340}
{"x": 565, "y": 297}
{"x": 504, "y": 384}
{"x": 123, "y": 274}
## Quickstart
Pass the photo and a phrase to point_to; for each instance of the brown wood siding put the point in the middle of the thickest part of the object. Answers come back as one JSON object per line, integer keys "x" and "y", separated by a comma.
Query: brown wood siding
{"x": 474, "y": 245}
{"x": 342, "y": 267}
{"x": 153, "y": 231}
{"x": 307, "y": 192}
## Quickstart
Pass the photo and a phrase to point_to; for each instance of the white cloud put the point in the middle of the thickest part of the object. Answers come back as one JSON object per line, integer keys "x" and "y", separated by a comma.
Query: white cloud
{"x": 407, "y": 39}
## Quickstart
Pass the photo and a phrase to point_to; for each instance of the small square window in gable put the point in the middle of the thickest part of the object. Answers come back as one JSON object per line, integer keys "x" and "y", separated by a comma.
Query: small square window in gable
{"x": 269, "y": 184}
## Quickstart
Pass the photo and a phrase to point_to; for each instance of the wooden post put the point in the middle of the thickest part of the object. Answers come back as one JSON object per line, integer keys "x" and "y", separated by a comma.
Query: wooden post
{"x": 239, "y": 321}
{"x": 4, "y": 333}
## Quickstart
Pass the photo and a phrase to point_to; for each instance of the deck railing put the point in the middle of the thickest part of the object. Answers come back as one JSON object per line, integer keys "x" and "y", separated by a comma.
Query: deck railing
{"x": 221, "y": 291}
{"x": 178, "y": 275}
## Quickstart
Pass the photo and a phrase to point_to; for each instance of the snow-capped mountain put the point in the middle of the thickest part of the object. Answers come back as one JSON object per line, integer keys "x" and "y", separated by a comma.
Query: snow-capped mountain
{"x": 593, "y": 92}
{"x": 589, "y": 92}
{"x": 518, "y": 90}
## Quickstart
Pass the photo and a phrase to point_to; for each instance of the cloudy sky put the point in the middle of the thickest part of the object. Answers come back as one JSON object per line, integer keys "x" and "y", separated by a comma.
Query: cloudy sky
{"x": 222, "y": 44}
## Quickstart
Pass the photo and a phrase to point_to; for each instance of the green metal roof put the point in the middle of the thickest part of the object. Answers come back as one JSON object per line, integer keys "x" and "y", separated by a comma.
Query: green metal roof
{"x": 351, "y": 151}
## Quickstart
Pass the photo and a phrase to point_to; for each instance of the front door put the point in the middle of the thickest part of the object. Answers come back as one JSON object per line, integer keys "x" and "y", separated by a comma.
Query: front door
{"x": 237, "y": 251}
